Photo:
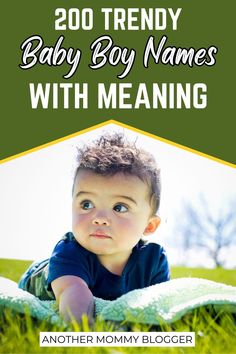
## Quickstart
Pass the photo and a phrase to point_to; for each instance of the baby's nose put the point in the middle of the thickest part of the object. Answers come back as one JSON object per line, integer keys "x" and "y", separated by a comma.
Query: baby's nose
{"x": 101, "y": 220}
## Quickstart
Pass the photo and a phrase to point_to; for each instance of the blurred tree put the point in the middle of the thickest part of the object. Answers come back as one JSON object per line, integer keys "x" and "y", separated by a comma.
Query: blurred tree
{"x": 213, "y": 232}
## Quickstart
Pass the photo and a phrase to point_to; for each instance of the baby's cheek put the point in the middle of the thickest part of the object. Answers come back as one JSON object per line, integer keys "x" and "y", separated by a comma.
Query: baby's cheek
{"x": 136, "y": 226}
{"x": 79, "y": 219}
{"x": 128, "y": 226}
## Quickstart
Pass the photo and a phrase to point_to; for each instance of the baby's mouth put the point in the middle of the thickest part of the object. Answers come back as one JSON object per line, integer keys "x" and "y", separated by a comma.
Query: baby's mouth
{"x": 100, "y": 235}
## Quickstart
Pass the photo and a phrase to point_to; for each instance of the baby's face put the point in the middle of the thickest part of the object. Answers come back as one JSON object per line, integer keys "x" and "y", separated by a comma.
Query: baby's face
{"x": 109, "y": 213}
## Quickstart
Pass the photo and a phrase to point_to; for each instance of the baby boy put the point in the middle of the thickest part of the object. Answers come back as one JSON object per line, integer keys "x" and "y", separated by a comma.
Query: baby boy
{"x": 116, "y": 196}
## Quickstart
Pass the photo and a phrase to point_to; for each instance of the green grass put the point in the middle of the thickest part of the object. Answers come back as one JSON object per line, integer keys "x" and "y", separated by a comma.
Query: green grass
{"x": 215, "y": 332}
{"x": 13, "y": 269}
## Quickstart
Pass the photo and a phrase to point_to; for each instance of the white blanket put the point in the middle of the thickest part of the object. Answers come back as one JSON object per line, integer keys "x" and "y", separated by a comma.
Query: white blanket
{"x": 165, "y": 302}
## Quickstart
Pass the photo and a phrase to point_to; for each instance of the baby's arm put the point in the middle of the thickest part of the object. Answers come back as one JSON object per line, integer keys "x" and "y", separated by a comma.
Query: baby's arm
{"x": 74, "y": 297}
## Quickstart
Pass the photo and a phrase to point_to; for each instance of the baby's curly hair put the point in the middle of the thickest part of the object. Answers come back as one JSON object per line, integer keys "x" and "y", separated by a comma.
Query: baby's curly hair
{"x": 113, "y": 153}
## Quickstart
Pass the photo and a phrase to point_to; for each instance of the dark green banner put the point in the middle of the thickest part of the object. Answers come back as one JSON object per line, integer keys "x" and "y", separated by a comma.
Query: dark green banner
{"x": 164, "y": 67}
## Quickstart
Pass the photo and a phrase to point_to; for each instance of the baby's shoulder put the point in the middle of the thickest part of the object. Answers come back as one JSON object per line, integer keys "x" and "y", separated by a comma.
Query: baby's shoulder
{"x": 147, "y": 246}
{"x": 68, "y": 237}
{"x": 150, "y": 249}
{"x": 68, "y": 244}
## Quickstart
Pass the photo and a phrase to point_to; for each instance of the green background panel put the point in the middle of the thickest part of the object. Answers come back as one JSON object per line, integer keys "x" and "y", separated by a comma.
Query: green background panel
{"x": 201, "y": 24}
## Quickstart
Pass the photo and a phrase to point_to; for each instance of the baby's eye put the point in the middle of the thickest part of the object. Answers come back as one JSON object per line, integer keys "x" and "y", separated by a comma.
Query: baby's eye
{"x": 120, "y": 208}
{"x": 86, "y": 205}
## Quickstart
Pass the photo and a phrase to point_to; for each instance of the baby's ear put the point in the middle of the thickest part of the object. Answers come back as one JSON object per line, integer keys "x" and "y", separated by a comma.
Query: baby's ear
{"x": 153, "y": 224}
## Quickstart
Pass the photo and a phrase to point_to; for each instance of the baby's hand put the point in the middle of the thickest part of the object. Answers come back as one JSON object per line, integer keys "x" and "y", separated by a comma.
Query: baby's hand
{"x": 74, "y": 297}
